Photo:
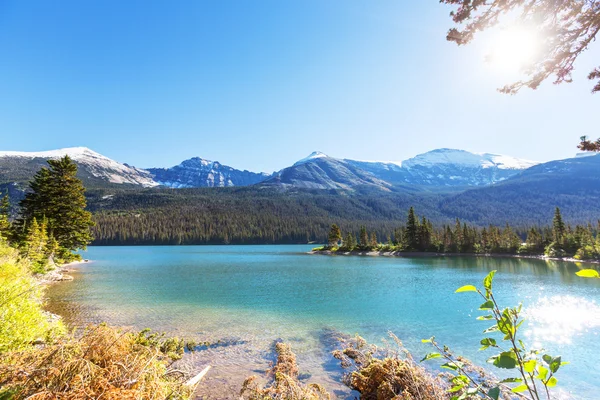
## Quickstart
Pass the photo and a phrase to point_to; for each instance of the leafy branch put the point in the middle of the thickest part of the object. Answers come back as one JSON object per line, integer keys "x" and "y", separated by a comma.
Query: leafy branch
{"x": 536, "y": 371}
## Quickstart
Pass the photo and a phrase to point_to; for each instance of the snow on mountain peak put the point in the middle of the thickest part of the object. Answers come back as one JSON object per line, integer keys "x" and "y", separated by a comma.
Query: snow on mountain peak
{"x": 98, "y": 165}
{"x": 464, "y": 158}
{"x": 314, "y": 155}
{"x": 75, "y": 153}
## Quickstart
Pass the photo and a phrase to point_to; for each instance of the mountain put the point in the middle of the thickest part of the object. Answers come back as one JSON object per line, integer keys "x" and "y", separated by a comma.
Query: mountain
{"x": 447, "y": 168}
{"x": 94, "y": 168}
{"x": 442, "y": 169}
{"x": 531, "y": 195}
{"x": 198, "y": 172}
{"x": 319, "y": 171}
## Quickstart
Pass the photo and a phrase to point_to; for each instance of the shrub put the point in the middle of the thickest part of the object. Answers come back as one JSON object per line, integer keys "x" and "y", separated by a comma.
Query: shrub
{"x": 104, "y": 363}
{"x": 22, "y": 320}
{"x": 393, "y": 376}
{"x": 285, "y": 383}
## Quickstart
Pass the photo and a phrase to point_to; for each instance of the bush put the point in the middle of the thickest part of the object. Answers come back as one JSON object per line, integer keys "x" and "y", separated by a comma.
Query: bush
{"x": 285, "y": 384}
{"x": 104, "y": 363}
{"x": 391, "y": 376}
{"x": 22, "y": 320}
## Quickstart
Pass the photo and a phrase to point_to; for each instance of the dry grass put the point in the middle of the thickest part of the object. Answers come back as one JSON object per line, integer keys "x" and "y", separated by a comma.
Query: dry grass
{"x": 393, "y": 376}
{"x": 285, "y": 384}
{"x": 105, "y": 363}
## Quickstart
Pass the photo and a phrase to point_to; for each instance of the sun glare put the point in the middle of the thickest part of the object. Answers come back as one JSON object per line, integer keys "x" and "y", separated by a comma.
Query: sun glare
{"x": 513, "y": 49}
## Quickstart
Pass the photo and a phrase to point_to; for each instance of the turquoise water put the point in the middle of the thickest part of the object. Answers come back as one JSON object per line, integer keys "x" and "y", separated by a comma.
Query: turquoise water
{"x": 252, "y": 295}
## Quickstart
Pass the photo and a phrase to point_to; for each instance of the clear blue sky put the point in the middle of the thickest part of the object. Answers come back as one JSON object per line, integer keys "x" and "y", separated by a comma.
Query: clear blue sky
{"x": 260, "y": 84}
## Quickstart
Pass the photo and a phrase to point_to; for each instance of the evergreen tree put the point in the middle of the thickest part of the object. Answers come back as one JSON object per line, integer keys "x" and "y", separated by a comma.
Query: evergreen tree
{"x": 349, "y": 242}
{"x": 58, "y": 195}
{"x": 411, "y": 233}
{"x": 373, "y": 240}
{"x": 363, "y": 238}
{"x": 34, "y": 246}
{"x": 558, "y": 227}
{"x": 424, "y": 234}
{"x": 335, "y": 235}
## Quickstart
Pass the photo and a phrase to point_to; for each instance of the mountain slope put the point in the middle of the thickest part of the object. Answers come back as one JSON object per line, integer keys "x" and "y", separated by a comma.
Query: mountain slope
{"x": 531, "y": 195}
{"x": 318, "y": 171}
{"x": 94, "y": 168}
{"x": 447, "y": 168}
{"x": 198, "y": 172}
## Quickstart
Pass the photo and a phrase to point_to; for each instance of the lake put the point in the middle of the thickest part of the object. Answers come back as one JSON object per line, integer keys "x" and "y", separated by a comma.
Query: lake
{"x": 250, "y": 296}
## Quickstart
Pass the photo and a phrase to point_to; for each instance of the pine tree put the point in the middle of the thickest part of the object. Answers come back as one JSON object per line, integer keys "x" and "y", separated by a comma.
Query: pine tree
{"x": 335, "y": 235}
{"x": 58, "y": 195}
{"x": 373, "y": 240}
{"x": 363, "y": 238}
{"x": 34, "y": 246}
{"x": 349, "y": 242}
{"x": 558, "y": 227}
{"x": 411, "y": 233}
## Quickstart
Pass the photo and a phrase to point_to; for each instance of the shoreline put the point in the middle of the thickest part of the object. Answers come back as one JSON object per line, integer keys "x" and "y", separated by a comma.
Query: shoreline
{"x": 419, "y": 254}
{"x": 59, "y": 273}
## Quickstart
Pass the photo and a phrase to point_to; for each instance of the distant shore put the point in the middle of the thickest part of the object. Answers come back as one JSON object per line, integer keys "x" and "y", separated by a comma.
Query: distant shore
{"x": 416, "y": 254}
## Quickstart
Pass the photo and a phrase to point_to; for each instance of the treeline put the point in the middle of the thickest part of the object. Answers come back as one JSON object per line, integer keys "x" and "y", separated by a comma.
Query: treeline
{"x": 420, "y": 235}
{"x": 236, "y": 215}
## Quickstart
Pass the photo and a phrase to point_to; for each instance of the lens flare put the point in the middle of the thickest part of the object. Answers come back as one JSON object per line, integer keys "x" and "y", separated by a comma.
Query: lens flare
{"x": 559, "y": 318}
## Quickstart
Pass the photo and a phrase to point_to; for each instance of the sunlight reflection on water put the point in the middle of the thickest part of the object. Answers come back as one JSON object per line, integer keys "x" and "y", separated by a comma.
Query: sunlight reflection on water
{"x": 558, "y": 318}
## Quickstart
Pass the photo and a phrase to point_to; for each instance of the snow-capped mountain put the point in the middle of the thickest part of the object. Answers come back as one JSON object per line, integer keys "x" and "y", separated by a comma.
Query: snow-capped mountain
{"x": 198, "y": 172}
{"x": 447, "y": 168}
{"x": 17, "y": 166}
{"x": 319, "y": 171}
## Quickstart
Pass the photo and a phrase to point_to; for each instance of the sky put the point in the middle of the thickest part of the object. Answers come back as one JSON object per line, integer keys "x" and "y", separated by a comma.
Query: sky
{"x": 260, "y": 84}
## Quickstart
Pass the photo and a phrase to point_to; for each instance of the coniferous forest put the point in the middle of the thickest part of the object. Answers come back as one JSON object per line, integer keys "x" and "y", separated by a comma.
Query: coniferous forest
{"x": 420, "y": 235}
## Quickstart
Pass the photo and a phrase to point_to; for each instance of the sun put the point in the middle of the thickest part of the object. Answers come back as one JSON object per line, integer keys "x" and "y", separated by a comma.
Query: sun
{"x": 513, "y": 49}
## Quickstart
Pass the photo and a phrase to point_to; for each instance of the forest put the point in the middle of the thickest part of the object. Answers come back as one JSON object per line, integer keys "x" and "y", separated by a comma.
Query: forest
{"x": 560, "y": 240}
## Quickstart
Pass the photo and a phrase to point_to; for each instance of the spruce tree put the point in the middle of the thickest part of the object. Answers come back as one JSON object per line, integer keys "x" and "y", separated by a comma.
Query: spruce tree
{"x": 335, "y": 235}
{"x": 57, "y": 195}
{"x": 411, "y": 235}
{"x": 363, "y": 238}
{"x": 349, "y": 242}
{"x": 34, "y": 246}
{"x": 558, "y": 227}
{"x": 373, "y": 240}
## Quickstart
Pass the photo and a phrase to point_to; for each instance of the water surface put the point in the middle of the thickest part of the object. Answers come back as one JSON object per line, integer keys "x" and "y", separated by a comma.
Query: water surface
{"x": 250, "y": 296}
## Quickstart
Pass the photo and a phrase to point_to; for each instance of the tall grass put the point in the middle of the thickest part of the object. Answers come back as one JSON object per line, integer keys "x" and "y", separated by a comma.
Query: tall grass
{"x": 22, "y": 320}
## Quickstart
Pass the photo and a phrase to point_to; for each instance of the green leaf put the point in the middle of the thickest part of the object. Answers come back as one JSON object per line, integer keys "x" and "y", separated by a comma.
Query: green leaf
{"x": 494, "y": 393}
{"x": 547, "y": 359}
{"x": 485, "y": 317}
{"x": 588, "y": 273}
{"x": 427, "y": 340}
{"x": 487, "y": 281}
{"x": 487, "y": 342}
{"x": 529, "y": 366}
{"x": 452, "y": 365}
{"x": 491, "y": 329}
{"x": 456, "y": 388}
{"x": 505, "y": 360}
{"x": 552, "y": 382}
{"x": 466, "y": 288}
{"x": 431, "y": 356}
{"x": 511, "y": 380}
{"x": 488, "y": 305}
{"x": 519, "y": 389}
{"x": 542, "y": 373}
{"x": 555, "y": 364}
